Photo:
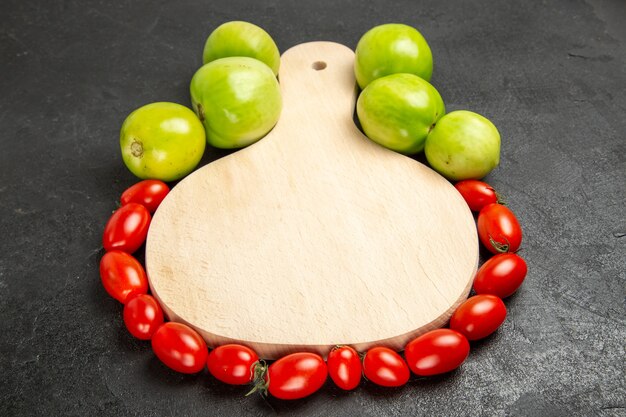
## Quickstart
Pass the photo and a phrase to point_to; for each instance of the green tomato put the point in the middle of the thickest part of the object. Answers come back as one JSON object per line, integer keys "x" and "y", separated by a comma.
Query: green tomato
{"x": 463, "y": 145}
{"x": 391, "y": 49}
{"x": 241, "y": 39}
{"x": 238, "y": 100}
{"x": 398, "y": 111}
{"x": 163, "y": 141}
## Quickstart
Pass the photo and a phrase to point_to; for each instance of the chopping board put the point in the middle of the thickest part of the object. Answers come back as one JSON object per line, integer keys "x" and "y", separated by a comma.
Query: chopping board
{"x": 314, "y": 236}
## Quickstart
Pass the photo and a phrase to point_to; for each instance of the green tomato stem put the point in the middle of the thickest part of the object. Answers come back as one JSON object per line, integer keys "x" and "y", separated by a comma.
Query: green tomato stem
{"x": 261, "y": 379}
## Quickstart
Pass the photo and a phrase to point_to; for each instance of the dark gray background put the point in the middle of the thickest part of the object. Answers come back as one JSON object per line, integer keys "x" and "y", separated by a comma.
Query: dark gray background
{"x": 550, "y": 75}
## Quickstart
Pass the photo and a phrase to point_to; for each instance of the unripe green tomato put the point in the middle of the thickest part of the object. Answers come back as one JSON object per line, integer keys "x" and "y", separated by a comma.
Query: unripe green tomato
{"x": 238, "y": 38}
{"x": 163, "y": 141}
{"x": 238, "y": 100}
{"x": 463, "y": 145}
{"x": 398, "y": 111}
{"x": 392, "y": 48}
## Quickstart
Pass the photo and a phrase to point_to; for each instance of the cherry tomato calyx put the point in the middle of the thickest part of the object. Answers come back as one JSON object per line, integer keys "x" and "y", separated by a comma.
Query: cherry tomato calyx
{"x": 259, "y": 379}
{"x": 500, "y": 247}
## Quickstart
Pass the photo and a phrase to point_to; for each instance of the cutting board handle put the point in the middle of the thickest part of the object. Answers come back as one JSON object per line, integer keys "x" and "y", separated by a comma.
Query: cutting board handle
{"x": 316, "y": 78}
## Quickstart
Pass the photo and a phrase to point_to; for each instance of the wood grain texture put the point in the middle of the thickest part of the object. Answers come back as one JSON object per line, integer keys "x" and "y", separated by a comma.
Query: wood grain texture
{"x": 314, "y": 236}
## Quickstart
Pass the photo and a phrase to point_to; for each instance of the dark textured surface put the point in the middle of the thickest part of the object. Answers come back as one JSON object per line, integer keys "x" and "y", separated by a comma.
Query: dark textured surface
{"x": 552, "y": 77}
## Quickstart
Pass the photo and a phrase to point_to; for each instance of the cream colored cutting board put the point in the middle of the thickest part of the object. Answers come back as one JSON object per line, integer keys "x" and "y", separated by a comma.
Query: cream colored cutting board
{"x": 314, "y": 236}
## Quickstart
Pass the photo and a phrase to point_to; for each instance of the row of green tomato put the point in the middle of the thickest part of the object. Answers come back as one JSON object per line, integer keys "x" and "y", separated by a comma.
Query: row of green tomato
{"x": 300, "y": 374}
{"x": 236, "y": 99}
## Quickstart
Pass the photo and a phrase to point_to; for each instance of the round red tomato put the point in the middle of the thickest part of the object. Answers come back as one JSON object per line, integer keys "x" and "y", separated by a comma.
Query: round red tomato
{"x": 232, "y": 364}
{"x": 498, "y": 229}
{"x": 478, "y": 316}
{"x": 477, "y": 194}
{"x": 344, "y": 367}
{"x": 385, "y": 367}
{"x": 501, "y": 275}
{"x": 127, "y": 228}
{"x": 122, "y": 275}
{"x": 436, "y": 352}
{"x": 296, "y": 376}
{"x": 148, "y": 193}
{"x": 142, "y": 316}
{"x": 180, "y": 347}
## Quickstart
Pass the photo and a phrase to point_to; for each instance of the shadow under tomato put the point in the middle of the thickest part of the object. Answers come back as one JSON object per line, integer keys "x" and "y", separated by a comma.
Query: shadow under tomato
{"x": 127, "y": 341}
{"x": 220, "y": 389}
{"x": 512, "y": 299}
{"x": 334, "y": 391}
{"x": 239, "y": 392}
{"x": 484, "y": 343}
{"x": 158, "y": 371}
{"x": 377, "y": 391}
{"x": 291, "y": 406}
{"x": 423, "y": 382}
{"x": 483, "y": 253}
{"x": 421, "y": 158}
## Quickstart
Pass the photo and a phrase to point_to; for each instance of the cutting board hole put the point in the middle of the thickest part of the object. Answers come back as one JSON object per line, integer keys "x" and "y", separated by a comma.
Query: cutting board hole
{"x": 318, "y": 65}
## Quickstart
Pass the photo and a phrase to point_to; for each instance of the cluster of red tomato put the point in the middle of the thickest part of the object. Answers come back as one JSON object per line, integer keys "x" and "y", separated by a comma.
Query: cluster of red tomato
{"x": 301, "y": 374}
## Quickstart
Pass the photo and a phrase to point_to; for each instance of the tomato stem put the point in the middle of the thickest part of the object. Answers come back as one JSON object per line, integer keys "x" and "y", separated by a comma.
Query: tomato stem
{"x": 500, "y": 247}
{"x": 200, "y": 112}
{"x": 362, "y": 358}
{"x": 261, "y": 379}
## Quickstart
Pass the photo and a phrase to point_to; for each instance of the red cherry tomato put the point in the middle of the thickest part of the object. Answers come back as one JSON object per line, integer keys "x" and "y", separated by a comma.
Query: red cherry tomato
{"x": 127, "y": 228}
{"x": 344, "y": 367}
{"x": 180, "y": 347}
{"x": 232, "y": 364}
{"x": 477, "y": 194}
{"x": 142, "y": 316}
{"x": 499, "y": 229}
{"x": 436, "y": 352}
{"x": 501, "y": 275}
{"x": 478, "y": 316}
{"x": 122, "y": 275}
{"x": 148, "y": 193}
{"x": 296, "y": 376}
{"x": 385, "y": 367}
